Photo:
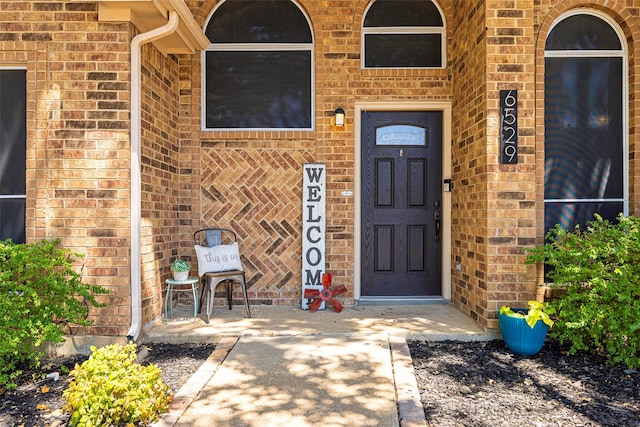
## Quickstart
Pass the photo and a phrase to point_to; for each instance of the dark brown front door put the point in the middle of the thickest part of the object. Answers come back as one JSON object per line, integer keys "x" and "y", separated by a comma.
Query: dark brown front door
{"x": 401, "y": 203}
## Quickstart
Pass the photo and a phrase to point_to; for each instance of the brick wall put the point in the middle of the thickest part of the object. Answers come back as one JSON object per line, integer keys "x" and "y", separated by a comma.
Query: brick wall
{"x": 469, "y": 163}
{"x": 497, "y": 209}
{"x": 78, "y": 148}
{"x": 511, "y": 189}
{"x": 501, "y": 207}
{"x": 252, "y": 181}
{"x": 494, "y": 205}
{"x": 78, "y": 186}
{"x": 164, "y": 197}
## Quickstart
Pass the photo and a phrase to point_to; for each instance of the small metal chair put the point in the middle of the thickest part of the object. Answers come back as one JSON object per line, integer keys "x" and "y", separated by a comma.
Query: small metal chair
{"x": 210, "y": 237}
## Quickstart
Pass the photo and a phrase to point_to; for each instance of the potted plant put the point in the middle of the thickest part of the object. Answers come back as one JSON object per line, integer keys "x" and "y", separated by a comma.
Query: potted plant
{"x": 524, "y": 330}
{"x": 180, "y": 269}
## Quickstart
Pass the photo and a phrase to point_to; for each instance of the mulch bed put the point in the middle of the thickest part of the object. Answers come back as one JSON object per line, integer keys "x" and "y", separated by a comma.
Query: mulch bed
{"x": 38, "y": 402}
{"x": 461, "y": 384}
{"x": 484, "y": 384}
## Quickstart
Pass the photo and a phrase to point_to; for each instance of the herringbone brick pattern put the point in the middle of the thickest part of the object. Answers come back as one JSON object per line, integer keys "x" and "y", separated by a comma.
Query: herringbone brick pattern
{"x": 257, "y": 193}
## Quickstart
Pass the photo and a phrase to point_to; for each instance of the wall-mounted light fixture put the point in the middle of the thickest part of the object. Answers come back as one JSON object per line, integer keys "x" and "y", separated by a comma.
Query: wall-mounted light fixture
{"x": 338, "y": 117}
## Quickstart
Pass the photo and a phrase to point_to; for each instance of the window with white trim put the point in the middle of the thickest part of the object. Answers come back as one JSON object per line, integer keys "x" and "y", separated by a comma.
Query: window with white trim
{"x": 403, "y": 34}
{"x": 258, "y": 69}
{"x": 586, "y": 123}
{"x": 13, "y": 137}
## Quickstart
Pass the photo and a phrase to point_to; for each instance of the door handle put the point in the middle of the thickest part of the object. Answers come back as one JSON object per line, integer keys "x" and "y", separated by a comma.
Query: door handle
{"x": 436, "y": 218}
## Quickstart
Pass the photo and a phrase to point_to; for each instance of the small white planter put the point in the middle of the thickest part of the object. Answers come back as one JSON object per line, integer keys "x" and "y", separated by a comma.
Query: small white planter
{"x": 180, "y": 275}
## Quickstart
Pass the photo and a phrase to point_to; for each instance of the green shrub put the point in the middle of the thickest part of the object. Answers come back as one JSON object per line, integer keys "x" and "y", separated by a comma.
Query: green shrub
{"x": 600, "y": 267}
{"x": 111, "y": 388}
{"x": 40, "y": 292}
{"x": 180, "y": 266}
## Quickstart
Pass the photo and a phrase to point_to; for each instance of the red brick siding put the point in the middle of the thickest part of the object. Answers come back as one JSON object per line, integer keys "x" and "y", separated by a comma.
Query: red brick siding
{"x": 78, "y": 72}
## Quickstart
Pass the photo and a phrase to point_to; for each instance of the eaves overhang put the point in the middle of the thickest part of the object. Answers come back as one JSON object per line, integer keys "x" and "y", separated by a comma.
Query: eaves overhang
{"x": 147, "y": 15}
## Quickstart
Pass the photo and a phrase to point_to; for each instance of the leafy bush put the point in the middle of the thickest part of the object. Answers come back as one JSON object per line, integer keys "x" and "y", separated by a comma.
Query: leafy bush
{"x": 111, "y": 388}
{"x": 600, "y": 267}
{"x": 40, "y": 292}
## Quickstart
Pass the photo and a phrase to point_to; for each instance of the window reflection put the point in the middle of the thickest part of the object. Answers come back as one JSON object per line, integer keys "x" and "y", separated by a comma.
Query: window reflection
{"x": 403, "y": 33}
{"x": 583, "y": 32}
{"x": 13, "y": 137}
{"x": 258, "y": 21}
{"x": 584, "y": 136}
{"x": 258, "y": 68}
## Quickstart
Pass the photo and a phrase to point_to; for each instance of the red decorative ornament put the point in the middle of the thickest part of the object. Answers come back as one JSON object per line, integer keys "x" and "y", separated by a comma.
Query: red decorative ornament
{"x": 325, "y": 294}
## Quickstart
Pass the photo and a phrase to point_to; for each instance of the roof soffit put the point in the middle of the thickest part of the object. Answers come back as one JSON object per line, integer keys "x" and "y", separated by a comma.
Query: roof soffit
{"x": 147, "y": 15}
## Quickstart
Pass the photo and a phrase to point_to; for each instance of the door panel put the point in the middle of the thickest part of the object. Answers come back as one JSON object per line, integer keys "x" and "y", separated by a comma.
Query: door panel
{"x": 417, "y": 183}
{"x": 384, "y": 183}
{"x": 416, "y": 248}
{"x": 401, "y": 201}
{"x": 384, "y": 248}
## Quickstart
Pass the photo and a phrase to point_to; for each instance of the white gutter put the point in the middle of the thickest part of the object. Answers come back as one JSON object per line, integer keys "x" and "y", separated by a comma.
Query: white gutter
{"x": 136, "y": 186}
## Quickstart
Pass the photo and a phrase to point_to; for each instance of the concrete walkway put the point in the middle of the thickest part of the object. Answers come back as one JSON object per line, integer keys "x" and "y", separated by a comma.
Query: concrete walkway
{"x": 289, "y": 367}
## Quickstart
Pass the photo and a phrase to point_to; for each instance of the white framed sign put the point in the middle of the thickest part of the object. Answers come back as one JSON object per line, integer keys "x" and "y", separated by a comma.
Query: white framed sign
{"x": 313, "y": 227}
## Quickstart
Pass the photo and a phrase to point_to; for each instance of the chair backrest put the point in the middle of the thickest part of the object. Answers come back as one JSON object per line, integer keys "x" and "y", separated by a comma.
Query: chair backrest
{"x": 210, "y": 237}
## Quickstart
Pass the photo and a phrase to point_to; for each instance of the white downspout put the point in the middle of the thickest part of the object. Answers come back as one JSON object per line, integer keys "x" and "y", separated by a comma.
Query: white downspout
{"x": 136, "y": 186}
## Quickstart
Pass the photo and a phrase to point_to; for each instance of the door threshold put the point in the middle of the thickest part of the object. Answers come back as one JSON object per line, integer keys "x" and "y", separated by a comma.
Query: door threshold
{"x": 374, "y": 301}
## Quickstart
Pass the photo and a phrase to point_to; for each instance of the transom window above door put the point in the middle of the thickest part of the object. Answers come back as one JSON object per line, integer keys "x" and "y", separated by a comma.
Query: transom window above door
{"x": 403, "y": 34}
{"x": 258, "y": 69}
{"x": 401, "y": 135}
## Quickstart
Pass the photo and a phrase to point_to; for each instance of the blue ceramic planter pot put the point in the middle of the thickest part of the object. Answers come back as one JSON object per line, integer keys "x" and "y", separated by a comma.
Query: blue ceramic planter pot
{"x": 519, "y": 337}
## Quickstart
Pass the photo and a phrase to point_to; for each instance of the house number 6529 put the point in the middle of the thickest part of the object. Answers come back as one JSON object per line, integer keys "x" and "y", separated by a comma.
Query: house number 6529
{"x": 509, "y": 126}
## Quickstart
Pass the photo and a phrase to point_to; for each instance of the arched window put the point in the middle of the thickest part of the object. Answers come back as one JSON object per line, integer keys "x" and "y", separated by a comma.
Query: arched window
{"x": 403, "y": 34}
{"x": 258, "y": 70}
{"x": 585, "y": 121}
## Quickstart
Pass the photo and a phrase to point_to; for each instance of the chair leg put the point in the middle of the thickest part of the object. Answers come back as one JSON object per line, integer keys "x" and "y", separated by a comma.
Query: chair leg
{"x": 209, "y": 292}
{"x": 194, "y": 290}
{"x": 243, "y": 283}
{"x": 202, "y": 293}
{"x": 166, "y": 301}
{"x": 229, "y": 293}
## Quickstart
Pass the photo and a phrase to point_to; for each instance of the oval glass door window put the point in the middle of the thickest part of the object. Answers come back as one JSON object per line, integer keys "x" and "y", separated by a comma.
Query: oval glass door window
{"x": 401, "y": 135}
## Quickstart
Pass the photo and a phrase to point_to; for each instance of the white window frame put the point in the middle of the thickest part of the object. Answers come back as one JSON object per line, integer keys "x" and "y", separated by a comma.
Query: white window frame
{"x": 622, "y": 53}
{"x": 405, "y": 30}
{"x": 17, "y": 196}
{"x": 246, "y": 47}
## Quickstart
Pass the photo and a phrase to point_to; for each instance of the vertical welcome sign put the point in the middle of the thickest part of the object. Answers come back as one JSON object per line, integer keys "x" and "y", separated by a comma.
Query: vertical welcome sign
{"x": 313, "y": 227}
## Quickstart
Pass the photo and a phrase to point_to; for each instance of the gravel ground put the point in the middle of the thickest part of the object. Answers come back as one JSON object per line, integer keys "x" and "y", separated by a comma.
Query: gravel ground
{"x": 38, "y": 403}
{"x": 484, "y": 384}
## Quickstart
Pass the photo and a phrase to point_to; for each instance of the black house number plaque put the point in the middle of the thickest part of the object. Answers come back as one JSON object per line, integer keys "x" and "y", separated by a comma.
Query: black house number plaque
{"x": 509, "y": 126}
